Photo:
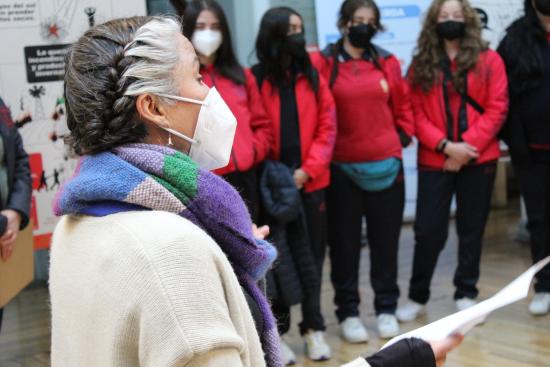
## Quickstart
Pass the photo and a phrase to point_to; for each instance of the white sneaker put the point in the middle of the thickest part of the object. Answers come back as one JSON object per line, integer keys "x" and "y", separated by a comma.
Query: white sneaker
{"x": 289, "y": 358}
{"x": 352, "y": 330}
{"x": 465, "y": 303}
{"x": 387, "y": 326}
{"x": 317, "y": 348}
{"x": 540, "y": 305}
{"x": 410, "y": 311}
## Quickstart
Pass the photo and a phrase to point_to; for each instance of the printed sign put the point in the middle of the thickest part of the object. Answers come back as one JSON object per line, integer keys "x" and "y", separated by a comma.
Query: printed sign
{"x": 35, "y": 37}
{"x": 45, "y": 63}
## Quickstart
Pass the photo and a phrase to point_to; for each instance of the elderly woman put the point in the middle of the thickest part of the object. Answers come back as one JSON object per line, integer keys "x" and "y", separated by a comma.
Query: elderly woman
{"x": 155, "y": 260}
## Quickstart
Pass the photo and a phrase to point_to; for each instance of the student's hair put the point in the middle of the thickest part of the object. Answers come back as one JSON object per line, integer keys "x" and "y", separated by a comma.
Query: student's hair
{"x": 106, "y": 69}
{"x": 430, "y": 50}
{"x": 349, "y": 7}
{"x": 270, "y": 42}
{"x": 179, "y": 6}
{"x": 521, "y": 51}
{"x": 226, "y": 62}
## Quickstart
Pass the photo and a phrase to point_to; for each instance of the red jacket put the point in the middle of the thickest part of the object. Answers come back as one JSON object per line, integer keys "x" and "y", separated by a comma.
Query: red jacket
{"x": 317, "y": 119}
{"x": 488, "y": 86}
{"x": 253, "y": 136}
{"x": 372, "y": 105}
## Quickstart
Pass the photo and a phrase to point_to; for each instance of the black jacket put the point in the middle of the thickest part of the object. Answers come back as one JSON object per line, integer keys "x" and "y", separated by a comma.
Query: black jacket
{"x": 526, "y": 53}
{"x": 17, "y": 165}
{"x": 295, "y": 272}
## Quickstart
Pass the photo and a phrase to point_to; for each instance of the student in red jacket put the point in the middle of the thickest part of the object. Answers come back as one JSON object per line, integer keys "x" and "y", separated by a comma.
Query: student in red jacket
{"x": 206, "y": 26}
{"x": 301, "y": 109}
{"x": 374, "y": 123}
{"x": 460, "y": 101}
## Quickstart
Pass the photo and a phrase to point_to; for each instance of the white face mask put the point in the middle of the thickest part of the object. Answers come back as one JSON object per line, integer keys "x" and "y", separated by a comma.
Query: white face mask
{"x": 206, "y": 41}
{"x": 213, "y": 139}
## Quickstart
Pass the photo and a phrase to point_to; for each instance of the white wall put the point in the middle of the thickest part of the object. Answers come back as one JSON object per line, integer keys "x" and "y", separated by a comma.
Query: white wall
{"x": 244, "y": 20}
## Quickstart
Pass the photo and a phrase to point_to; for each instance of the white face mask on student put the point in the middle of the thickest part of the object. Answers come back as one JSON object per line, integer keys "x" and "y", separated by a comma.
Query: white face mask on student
{"x": 207, "y": 41}
{"x": 213, "y": 138}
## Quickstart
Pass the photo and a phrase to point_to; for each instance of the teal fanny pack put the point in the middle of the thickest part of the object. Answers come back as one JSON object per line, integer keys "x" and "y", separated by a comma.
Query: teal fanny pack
{"x": 372, "y": 176}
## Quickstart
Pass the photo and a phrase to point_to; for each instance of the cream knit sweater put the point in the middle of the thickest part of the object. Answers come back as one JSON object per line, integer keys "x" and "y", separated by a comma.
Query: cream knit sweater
{"x": 146, "y": 289}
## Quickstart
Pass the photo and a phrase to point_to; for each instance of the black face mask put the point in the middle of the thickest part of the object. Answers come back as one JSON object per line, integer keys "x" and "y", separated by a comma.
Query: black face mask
{"x": 451, "y": 30}
{"x": 361, "y": 35}
{"x": 295, "y": 45}
{"x": 543, "y": 6}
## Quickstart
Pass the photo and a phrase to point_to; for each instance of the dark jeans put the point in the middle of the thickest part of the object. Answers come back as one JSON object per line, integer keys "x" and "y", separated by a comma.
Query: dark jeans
{"x": 534, "y": 181}
{"x": 247, "y": 185}
{"x": 315, "y": 210}
{"x": 1, "y": 315}
{"x": 473, "y": 187}
{"x": 347, "y": 204}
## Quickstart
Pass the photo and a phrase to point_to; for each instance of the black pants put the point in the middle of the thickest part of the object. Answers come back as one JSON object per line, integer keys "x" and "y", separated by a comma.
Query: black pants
{"x": 534, "y": 181}
{"x": 247, "y": 185}
{"x": 312, "y": 318}
{"x": 473, "y": 187}
{"x": 1, "y": 315}
{"x": 347, "y": 204}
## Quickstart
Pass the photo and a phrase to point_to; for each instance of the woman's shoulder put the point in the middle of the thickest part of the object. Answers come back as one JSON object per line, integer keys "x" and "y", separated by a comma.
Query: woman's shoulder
{"x": 152, "y": 235}
{"x": 320, "y": 57}
{"x": 176, "y": 256}
{"x": 489, "y": 53}
{"x": 154, "y": 219}
{"x": 383, "y": 53}
{"x": 490, "y": 59}
{"x": 159, "y": 230}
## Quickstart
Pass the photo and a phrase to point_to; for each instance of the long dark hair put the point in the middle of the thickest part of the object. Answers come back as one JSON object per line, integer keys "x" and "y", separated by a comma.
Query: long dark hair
{"x": 521, "y": 51}
{"x": 430, "y": 51}
{"x": 226, "y": 62}
{"x": 270, "y": 49}
{"x": 179, "y": 6}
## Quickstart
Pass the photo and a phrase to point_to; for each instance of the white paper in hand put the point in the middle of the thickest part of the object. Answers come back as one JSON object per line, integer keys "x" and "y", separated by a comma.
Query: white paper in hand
{"x": 463, "y": 321}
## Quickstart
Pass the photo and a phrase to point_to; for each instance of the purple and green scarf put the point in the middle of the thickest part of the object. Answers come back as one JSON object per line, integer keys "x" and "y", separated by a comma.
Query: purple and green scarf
{"x": 151, "y": 177}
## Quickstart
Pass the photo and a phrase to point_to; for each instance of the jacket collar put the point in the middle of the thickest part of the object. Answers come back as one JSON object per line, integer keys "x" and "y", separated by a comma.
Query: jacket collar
{"x": 342, "y": 55}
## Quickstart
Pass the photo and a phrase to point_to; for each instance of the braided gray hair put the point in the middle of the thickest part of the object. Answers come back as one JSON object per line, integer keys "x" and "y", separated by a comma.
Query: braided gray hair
{"x": 106, "y": 69}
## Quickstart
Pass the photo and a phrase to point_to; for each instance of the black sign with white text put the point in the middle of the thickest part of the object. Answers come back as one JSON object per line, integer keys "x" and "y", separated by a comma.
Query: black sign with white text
{"x": 45, "y": 63}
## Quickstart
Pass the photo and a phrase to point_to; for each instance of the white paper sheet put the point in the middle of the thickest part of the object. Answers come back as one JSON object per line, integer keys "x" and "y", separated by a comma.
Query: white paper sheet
{"x": 463, "y": 321}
